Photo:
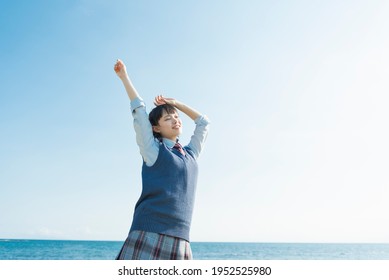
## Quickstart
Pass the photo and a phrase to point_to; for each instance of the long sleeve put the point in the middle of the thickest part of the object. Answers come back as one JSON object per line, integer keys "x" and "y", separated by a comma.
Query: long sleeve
{"x": 147, "y": 144}
{"x": 199, "y": 136}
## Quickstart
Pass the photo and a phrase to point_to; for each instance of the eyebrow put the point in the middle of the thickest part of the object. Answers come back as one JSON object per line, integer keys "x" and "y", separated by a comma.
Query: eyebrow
{"x": 169, "y": 115}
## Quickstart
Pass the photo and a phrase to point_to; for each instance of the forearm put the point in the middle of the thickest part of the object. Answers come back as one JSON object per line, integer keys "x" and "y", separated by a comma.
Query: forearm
{"x": 130, "y": 89}
{"x": 190, "y": 112}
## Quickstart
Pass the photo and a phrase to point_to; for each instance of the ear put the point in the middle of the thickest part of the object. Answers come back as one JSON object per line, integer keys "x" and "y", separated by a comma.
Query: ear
{"x": 156, "y": 129}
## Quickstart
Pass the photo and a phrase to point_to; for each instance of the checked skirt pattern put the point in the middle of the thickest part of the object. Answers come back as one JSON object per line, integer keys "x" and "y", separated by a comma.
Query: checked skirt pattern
{"x": 143, "y": 245}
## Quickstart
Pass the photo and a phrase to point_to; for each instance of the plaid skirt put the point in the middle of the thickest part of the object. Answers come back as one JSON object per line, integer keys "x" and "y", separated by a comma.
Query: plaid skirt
{"x": 143, "y": 245}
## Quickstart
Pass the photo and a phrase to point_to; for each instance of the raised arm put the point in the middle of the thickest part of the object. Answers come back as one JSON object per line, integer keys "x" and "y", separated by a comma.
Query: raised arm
{"x": 121, "y": 71}
{"x": 144, "y": 135}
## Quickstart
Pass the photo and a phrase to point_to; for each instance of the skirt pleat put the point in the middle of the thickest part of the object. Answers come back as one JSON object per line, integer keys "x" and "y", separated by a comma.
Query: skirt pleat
{"x": 143, "y": 245}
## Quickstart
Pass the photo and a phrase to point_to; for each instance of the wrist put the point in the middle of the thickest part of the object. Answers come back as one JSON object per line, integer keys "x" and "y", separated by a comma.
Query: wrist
{"x": 124, "y": 77}
{"x": 177, "y": 104}
{"x": 126, "y": 80}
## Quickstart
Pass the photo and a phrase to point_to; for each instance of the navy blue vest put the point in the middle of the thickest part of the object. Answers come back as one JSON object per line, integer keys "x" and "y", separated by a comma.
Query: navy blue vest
{"x": 166, "y": 202}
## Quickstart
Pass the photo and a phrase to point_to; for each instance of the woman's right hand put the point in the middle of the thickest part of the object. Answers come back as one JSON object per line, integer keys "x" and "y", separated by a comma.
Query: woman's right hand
{"x": 120, "y": 69}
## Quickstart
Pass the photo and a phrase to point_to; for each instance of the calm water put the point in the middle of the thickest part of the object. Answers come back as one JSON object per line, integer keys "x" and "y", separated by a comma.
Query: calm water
{"x": 107, "y": 250}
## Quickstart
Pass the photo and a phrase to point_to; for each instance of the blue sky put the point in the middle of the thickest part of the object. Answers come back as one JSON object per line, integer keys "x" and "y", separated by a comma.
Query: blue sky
{"x": 297, "y": 92}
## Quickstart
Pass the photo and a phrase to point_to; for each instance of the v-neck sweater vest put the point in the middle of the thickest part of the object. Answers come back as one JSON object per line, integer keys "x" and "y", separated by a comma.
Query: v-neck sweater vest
{"x": 168, "y": 192}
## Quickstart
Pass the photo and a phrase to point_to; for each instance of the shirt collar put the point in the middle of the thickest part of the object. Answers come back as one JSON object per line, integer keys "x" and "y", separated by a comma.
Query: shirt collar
{"x": 169, "y": 143}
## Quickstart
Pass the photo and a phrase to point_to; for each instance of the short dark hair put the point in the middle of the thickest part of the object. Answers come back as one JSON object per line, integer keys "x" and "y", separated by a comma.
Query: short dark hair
{"x": 156, "y": 114}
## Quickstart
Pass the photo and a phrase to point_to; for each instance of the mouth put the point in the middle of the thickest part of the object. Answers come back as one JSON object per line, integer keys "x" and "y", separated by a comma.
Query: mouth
{"x": 176, "y": 126}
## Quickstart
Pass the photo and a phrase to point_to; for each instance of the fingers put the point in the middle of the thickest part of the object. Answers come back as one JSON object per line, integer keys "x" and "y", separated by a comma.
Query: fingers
{"x": 118, "y": 66}
{"x": 159, "y": 100}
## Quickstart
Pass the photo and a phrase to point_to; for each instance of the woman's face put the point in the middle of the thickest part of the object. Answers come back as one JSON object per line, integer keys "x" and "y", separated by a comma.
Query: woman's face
{"x": 169, "y": 126}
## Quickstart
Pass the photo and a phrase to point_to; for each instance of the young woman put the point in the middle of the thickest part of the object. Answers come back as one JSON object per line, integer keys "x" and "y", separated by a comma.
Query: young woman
{"x": 163, "y": 213}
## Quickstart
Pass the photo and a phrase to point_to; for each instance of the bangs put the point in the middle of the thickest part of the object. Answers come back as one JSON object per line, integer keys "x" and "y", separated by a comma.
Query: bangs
{"x": 157, "y": 113}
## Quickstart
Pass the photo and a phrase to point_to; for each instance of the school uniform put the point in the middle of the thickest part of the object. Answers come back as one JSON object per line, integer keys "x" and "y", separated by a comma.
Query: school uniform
{"x": 161, "y": 224}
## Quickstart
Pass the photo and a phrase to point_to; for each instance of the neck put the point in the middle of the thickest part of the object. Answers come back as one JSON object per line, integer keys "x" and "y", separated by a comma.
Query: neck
{"x": 174, "y": 139}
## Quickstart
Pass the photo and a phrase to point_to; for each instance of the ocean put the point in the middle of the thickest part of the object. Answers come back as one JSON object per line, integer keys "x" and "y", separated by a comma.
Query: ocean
{"x": 11, "y": 249}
